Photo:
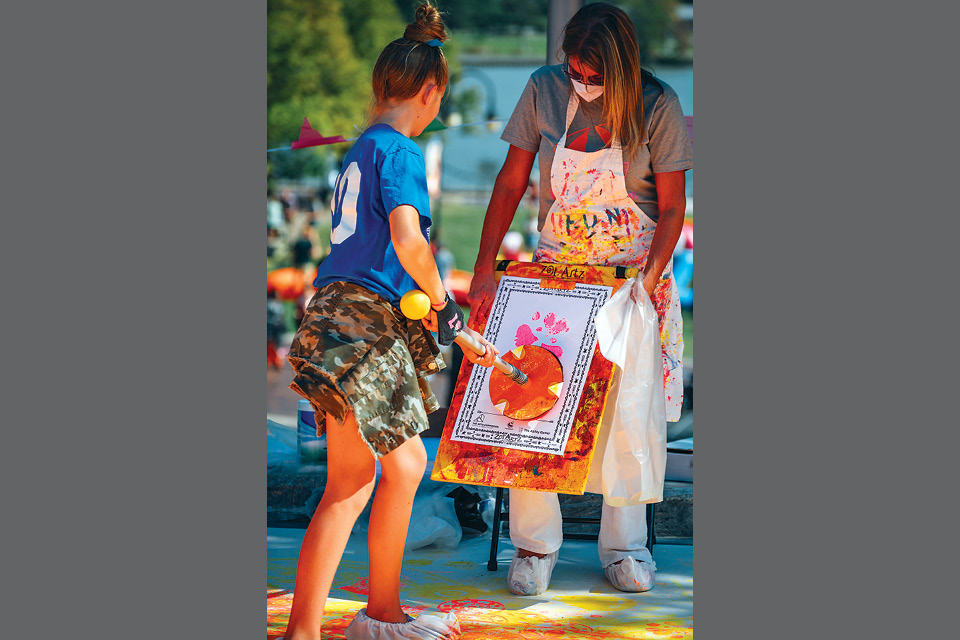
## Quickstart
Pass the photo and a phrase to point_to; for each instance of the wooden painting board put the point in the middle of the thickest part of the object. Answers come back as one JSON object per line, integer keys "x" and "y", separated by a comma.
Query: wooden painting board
{"x": 482, "y": 464}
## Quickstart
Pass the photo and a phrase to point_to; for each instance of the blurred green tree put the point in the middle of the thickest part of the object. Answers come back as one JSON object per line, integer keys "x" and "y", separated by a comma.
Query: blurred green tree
{"x": 490, "y": 15}
{"x": 372, "y": 25}
{"x": 320, "y": 57}
{"x": 654, "y": 21}
{"x": 313, "y": 71}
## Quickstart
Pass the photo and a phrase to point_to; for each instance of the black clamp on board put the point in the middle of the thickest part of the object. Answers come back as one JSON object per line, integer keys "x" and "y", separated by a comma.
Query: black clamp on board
{"x": 502, "y": 265}
{"x": 621, "y": 272}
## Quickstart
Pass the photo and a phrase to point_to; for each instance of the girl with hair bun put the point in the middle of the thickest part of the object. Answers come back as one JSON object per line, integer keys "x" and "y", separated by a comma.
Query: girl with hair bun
{"x": 360, "y": 362}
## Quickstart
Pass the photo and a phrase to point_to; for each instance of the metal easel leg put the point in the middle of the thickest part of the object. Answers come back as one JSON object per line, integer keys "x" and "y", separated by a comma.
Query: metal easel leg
{"x": 495, "y": 534}
{"x": 651, "y": 537}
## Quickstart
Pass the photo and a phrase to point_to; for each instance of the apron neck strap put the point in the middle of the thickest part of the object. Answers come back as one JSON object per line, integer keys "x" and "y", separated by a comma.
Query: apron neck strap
{"x": 572, "y": 104}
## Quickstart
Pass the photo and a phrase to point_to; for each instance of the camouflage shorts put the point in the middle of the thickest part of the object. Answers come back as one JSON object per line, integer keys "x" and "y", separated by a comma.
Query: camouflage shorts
{"x": 355, "y": 352}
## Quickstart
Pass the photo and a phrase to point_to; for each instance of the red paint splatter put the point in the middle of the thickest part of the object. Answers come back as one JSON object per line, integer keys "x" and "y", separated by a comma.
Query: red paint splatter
{"x": 362, "y": 587}
{"x": 413, "y": 609}
{"x": 559, "y": 326}
{"x": 536, "y": 315}
{"x": 457, "y": 605}
{"x": 557, "y": 351}
{"x": 524, "y": 336}
{"x": 554, "y": 324}
{"x": 553, "y": 339}
{"x": 539, "y": 328}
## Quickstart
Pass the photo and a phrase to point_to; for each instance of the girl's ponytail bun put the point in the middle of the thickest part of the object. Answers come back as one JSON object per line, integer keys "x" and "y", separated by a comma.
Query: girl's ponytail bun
{"x": 407, "y": 62}
{"x": 427, "y": 25}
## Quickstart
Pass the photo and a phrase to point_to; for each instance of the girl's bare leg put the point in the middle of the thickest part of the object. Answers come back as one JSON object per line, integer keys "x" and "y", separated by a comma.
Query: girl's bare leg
{"x": 401, "y": 472}
{"x": 351, "y": 470}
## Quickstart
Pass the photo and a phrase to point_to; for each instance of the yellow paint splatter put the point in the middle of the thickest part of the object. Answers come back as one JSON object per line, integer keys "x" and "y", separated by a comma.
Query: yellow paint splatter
{"x": 597, "y": 602}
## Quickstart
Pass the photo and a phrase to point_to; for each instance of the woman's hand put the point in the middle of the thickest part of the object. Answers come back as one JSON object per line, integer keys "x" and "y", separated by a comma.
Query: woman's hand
{"x": 483, "y": 288}
{"x": 490, "y": 352}
{"x": 645, "y": 284}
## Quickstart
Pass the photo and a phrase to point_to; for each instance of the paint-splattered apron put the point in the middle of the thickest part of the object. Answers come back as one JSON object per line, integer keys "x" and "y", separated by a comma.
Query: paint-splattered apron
{"x": 594, "y": 221}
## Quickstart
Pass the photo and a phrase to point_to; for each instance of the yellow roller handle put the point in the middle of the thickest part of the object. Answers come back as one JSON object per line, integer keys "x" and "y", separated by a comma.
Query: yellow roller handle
{"x": 415, "y": 304}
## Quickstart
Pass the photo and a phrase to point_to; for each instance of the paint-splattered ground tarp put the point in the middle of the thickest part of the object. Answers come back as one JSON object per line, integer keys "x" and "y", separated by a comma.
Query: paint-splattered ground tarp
{"x": 579, "y": 604}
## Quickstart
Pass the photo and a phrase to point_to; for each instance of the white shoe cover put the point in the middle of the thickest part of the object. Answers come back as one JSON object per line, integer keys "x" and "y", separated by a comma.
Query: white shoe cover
{"x": 530, "y": 576}
{"x": 426, "y": 627}
{"x": 631, "y": 574}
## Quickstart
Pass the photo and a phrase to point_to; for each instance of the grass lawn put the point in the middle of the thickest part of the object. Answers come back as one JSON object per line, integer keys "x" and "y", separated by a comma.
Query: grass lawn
{"x": 521, "y": 45}
{"x": 687, "y": 334}
{"x": 459, "y": 226}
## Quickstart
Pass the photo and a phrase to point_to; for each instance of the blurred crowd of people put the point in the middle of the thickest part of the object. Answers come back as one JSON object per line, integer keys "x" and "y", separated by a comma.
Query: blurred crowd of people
{"x": 293, "y": 223}
{"x": 294, "y": 241}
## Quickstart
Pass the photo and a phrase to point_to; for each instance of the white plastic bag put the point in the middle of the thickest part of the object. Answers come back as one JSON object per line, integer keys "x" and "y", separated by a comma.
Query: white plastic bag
{"x": 433, "y": 517}
{"x": 634, "y": 460}
{"x": 433, "y": 521}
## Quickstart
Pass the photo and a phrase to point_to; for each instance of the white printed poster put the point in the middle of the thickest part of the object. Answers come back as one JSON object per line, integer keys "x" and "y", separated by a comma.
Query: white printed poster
{"x": 556, "y": 319}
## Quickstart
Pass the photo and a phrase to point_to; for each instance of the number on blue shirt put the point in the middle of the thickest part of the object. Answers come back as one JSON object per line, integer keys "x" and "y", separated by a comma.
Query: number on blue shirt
{"x": 345, "y": 210}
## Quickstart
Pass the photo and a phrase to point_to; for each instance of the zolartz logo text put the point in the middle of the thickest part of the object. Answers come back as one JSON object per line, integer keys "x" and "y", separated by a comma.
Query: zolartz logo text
{"x": 561, "y": 272}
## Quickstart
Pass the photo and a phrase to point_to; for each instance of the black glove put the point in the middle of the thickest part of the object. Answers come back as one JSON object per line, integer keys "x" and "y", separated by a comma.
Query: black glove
{"x": 449, "y": 321}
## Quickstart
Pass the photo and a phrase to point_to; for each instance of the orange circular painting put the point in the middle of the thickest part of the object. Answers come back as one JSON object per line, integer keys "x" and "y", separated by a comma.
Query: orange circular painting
{"x": 544, "y": 382}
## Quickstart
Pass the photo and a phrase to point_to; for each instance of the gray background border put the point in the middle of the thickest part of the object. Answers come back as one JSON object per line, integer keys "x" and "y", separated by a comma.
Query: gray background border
{"x": 135, "y": 460}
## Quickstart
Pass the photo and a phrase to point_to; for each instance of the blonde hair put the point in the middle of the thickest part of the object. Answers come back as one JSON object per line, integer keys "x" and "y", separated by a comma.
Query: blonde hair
{"x": 603, "y": 37}
{"x": 407, "y": 62}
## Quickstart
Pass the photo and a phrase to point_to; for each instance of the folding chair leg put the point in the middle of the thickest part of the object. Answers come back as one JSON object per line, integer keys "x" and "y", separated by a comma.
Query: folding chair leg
{"x": 495, "y": 534}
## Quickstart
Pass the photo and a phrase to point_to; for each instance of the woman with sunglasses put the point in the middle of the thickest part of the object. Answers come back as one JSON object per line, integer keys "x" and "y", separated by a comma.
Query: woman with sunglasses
{"x": 613, "y": 149}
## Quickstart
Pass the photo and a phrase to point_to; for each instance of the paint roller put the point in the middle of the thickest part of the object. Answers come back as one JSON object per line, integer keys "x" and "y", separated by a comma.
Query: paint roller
{"x": 415, "y": 304}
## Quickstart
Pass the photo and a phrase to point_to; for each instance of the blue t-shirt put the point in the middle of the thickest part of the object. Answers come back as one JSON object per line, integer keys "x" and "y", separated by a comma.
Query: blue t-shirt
{"x": 382, "y": 171}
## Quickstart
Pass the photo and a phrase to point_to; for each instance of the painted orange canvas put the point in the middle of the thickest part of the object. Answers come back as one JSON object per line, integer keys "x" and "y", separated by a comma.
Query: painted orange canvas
{"x": 482, "y": 464}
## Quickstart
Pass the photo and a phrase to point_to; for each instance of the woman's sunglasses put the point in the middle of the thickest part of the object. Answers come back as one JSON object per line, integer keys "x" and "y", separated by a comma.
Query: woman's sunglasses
{"x": 594, "y": 81}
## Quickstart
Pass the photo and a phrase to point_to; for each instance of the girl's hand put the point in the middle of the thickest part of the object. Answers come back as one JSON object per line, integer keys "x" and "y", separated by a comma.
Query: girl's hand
{"x": 449, "y": 321}
{"x": 430, "y": 321}
{"x": 489, "y": 355}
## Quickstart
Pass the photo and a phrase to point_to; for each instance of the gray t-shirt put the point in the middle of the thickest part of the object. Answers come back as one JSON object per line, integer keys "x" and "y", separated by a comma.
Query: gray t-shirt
{"x": 540, "y": 115}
